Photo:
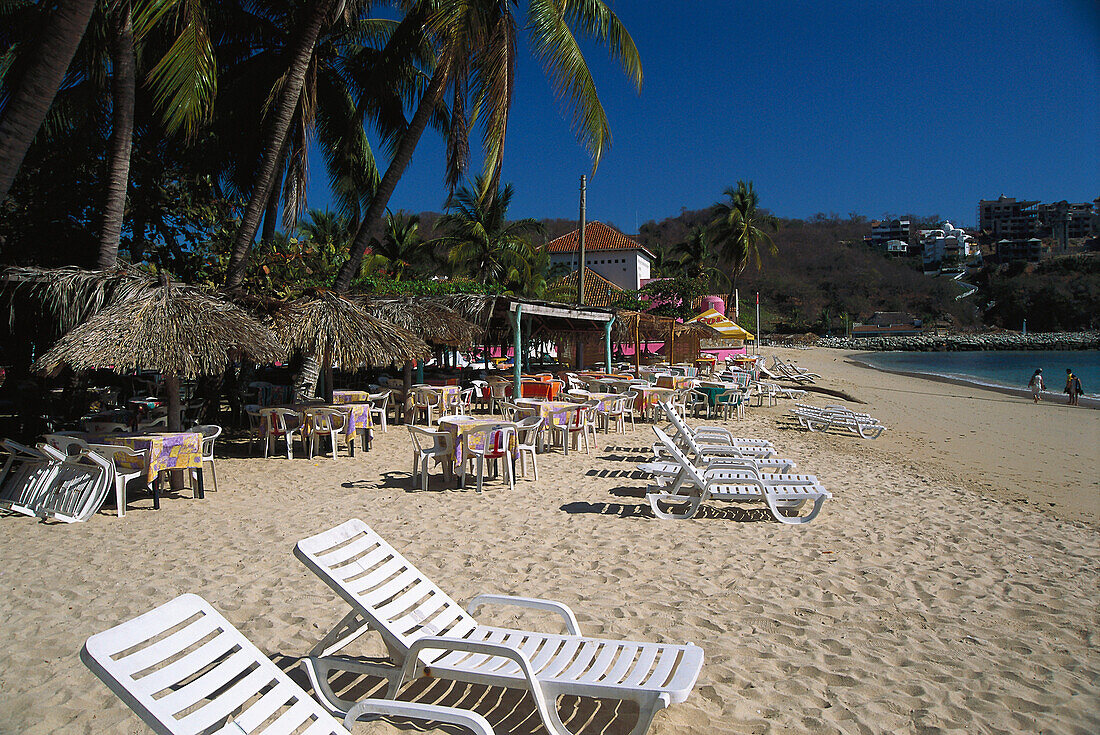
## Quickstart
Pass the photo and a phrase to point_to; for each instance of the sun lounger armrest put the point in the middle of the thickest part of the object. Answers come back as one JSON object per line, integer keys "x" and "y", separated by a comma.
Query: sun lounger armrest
{"x": 533, "y": 603}
{"x": 713, "y": 431}
{"x": 417, "y": 711}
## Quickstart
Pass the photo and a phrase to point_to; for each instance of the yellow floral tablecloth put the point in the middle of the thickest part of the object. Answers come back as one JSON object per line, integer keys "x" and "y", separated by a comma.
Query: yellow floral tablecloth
{"x": 351, "y": 396}
{"x": 167, "y": 451}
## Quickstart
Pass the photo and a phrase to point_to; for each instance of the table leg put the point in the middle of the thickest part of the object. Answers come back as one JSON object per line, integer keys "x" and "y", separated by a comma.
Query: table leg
{"x": 156, "y": 492}
{"x": 200, "y": 492}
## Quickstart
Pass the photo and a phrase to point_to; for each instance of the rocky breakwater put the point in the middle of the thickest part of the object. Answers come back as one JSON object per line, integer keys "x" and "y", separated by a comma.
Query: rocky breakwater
{"x": 958, "y": 342}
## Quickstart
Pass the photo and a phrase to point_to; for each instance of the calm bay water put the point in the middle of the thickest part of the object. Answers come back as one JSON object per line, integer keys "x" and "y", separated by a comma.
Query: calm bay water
{"x": 1011, "y": 369}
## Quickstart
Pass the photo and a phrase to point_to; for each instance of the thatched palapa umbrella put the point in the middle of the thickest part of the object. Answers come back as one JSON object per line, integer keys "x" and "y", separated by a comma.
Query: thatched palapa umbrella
{"x": 175, "y": 329}
{"x": 432, "y": 322}
{"x": 335, "y": 328}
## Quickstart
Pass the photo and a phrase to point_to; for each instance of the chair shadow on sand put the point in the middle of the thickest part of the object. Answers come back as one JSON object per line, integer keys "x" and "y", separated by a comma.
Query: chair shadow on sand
{"x": 392, "y": 480}
{"x": 509, "y": 711}
{"x": 642, "y": 510}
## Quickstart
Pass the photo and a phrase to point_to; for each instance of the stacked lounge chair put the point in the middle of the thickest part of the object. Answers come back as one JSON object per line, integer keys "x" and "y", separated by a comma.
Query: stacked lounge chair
{"x": 818, "y": 418}
{"x": 680, "y": 497}
{"x": 793, "y": 372}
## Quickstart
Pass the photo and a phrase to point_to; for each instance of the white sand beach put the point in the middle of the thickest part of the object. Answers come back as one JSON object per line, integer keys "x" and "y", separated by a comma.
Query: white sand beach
{"x": 950, "y": 585}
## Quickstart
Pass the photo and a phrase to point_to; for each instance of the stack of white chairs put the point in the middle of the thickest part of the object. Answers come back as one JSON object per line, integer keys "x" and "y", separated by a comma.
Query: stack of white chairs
{"x": 47, "y": 483}
{"x": 818, "y": 418}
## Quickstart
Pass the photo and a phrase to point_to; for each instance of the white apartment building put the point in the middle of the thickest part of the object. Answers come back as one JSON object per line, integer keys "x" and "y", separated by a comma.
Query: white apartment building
{"x": 608, "y": 252}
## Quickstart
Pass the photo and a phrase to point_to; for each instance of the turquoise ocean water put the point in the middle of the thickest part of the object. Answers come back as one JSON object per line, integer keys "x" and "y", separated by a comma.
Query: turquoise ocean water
{"x": 1008, "y": 369}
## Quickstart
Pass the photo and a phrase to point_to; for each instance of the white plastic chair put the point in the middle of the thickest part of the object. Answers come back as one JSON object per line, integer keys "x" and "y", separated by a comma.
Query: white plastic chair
{"x": 210, "y": 432}
{"x": 226, "y": 684}
{"x": 380, "y": 403}
{"x": 783, "y": 494}
{"x": 428, "y": 444}
{"x": 281, "y": 422}
{"x": 328, "y": 422}
{"x": 130, "y": 464}
{"x": 490, "y": 443}
{"x": 527, "y": 443}
{"x": 78, "y": 488}
{"x": 26, "y": 476}
{"x": 256, "y": 426}
{"x": 426, "y": 400}
{"x": 498, "y": 392}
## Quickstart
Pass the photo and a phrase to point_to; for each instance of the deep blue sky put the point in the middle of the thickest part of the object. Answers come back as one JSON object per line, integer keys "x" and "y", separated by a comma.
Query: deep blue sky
{"x": 867, "y": 107}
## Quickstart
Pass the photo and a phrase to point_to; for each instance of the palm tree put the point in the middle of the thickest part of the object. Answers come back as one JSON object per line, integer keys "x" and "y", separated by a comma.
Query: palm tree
{"x": 182, "y": 83}
{"x": 33, "y": 92}
{"x": 401, "y": 252}
{"x": 739, "y": 232}
{"x": 123, "y": 94}
{"x": 357, "y": 71}
{"x": 697, "y": 259}
{"x": 476, "y": 42}
{"x": 482, "y": 242}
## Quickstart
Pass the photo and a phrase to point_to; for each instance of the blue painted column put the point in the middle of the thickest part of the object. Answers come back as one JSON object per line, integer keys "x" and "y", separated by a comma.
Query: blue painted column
{"x": 419, "y": 371}
{"x": 517, "y": 369}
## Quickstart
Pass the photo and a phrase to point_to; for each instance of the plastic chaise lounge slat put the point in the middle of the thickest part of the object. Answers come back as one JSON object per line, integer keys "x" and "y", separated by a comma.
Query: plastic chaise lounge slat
{"x": 450, "y": 644}
{"x": 225, "y": 684}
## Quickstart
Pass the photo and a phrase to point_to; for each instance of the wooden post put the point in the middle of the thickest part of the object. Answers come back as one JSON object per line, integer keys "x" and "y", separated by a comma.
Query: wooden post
{"x": 328, "y": 373}
{"x": 671, "y": 342}
{"x": 172, "y": 387}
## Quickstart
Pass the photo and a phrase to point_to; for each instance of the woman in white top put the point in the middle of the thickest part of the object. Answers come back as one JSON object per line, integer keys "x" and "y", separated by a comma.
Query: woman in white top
{"x": 1036, "y": 385}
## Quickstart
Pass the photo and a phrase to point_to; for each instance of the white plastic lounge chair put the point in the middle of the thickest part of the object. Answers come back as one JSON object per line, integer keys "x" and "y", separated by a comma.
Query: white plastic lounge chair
{"x": 705, "y": 442}
{"x": 428, "y": 634}
{"x": 693, "y": 486}
{"x": 813, "y": 418}
{"x": 224, "y": 685}
{"x": 27, "y": 474}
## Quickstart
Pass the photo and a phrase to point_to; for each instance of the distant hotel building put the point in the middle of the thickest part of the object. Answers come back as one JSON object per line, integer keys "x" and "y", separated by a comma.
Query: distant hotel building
{"x": 895, "y": 229}
{"x": 1006, "y": 218}
{"x": 608, "y": 252}
{"x": 1017, "y": 228}
{"x": 949, "y": 244}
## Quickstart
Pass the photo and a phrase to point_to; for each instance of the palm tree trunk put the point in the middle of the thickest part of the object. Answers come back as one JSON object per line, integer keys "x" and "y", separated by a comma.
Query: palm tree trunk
{"x": 372, "y": 220}
{"x": 306, "y": 384}
{"x": 271, "y": 214}
{"x": 276, "y": 136}
{"x": 34, "y": 92}
{"x": 123, "y": 88}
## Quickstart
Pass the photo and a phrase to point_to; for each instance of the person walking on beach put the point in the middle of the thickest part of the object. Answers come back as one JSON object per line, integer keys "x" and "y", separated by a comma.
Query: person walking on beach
{"x": 1073, "y": 388}
{"x": 1036, "y": 385}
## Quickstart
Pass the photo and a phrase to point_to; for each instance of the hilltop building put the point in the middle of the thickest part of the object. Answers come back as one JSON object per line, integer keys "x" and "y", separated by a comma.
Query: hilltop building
{"x": 1062, "y": 222}
{"x": 1007, "y": 218}
{"x": 883, "y": 232}
{"x": 949, "y": 244}
{"x": 1008, "y": 251}
{"x": 608, "y": 252}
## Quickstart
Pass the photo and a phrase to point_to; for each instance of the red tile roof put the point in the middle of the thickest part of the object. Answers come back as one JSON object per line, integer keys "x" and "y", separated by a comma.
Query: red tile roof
{"x": 598, "y": 291}
{"x": 597, "y": 236}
